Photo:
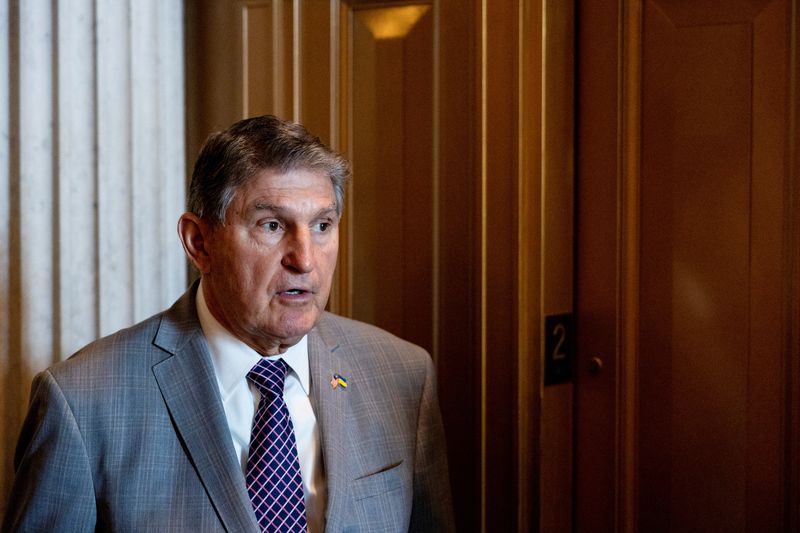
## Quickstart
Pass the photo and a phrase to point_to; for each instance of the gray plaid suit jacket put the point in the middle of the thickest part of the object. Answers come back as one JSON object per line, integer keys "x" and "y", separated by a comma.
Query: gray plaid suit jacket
{"x": 129, "y": 434}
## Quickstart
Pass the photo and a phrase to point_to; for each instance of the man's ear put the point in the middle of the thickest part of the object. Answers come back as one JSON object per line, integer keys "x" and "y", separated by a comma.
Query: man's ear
{"x": 194, "y": 233}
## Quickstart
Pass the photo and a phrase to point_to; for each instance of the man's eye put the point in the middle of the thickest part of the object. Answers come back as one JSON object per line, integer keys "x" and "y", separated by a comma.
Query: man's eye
{"x": 272, "y": 226}
{"x": 323, "y": 226}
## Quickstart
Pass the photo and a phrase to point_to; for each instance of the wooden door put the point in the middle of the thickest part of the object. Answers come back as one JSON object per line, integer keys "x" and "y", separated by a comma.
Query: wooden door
{"x": 687, "y": 267}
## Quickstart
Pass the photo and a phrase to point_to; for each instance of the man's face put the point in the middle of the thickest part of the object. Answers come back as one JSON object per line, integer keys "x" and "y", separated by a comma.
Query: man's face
{"x": 270, "y": 266}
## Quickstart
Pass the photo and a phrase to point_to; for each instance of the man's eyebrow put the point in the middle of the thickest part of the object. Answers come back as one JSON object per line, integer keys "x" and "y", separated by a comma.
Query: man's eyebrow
{"x": 266, "y": 207}
{"x": 327, "y": 211}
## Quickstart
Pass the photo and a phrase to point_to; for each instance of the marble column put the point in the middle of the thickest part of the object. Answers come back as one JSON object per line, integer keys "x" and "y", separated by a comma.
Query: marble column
{"x": 92, "y": 179}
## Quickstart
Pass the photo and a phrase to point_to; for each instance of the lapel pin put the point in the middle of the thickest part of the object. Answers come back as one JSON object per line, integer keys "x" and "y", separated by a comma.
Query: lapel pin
{"x": 338, "y": 381}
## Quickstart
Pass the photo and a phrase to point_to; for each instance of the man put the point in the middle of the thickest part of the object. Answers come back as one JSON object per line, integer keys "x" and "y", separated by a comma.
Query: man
{"x": 244, "y": 406}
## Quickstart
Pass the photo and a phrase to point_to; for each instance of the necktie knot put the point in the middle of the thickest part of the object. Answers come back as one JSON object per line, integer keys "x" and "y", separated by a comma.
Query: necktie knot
{"x": 269, "y": 375}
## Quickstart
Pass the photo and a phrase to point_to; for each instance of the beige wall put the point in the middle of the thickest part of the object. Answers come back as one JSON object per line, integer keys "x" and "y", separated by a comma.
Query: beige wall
{"x": 91, "y": 181}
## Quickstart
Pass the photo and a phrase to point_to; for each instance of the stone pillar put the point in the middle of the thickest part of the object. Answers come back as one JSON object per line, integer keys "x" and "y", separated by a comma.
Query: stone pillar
{"x": 92, "y": 180}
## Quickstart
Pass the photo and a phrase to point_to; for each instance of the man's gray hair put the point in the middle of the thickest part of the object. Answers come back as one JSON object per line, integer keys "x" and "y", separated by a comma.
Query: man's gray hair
{"x": 231, "y": 157}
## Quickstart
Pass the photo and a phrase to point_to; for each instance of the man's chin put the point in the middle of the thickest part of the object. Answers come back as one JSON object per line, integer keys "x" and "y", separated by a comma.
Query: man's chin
{"x": 291, "y": 331}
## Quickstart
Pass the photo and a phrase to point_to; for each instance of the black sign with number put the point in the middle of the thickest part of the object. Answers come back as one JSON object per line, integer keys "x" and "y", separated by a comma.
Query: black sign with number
{"x": 559, "y": 349}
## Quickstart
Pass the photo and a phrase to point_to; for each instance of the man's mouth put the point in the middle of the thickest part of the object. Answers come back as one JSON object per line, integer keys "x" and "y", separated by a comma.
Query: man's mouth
{"x": 294, "y": 292}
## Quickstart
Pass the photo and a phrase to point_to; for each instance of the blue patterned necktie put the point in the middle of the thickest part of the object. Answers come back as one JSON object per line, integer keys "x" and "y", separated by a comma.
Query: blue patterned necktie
{"x": 273, "y": 470}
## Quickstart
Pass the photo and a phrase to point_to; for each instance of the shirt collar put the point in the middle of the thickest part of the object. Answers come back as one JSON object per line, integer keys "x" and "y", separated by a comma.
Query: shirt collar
{"x": 233, "y": 359}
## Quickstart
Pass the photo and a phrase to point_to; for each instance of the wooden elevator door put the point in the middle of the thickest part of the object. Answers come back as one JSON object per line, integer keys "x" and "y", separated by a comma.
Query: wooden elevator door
{"x": 687, "y": 276}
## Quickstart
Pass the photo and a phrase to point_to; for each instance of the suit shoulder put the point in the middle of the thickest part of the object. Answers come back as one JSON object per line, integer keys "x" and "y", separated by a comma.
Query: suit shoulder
{"x": 127, "y": 344}
{"x": 361, "y": 337}
{"x": 140, "y": 345}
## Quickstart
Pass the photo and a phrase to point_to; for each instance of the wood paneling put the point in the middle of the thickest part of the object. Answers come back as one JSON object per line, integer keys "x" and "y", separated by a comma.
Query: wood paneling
{"x": 791, "y": 300}
{"x": 687, "y": 226}
{"x": 392, "y": 157}
{"x": 457, "y": 334}
{"x": 596, "y": 266}
{"x": 268, "y": 72}
{"x": 530, "y": 405}
{"x": 557, "y": 241}
{"x": 497, "y": 193}
{"x": 315, "y": 51}
{"x": 711, "y": 355}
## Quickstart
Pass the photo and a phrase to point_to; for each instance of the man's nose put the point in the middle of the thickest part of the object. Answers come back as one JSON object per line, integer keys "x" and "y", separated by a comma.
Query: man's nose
{"x": 298, "y": 255}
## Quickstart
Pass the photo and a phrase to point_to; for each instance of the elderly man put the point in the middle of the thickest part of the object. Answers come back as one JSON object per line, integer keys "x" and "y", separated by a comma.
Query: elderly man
{"x": 245, "y": 406}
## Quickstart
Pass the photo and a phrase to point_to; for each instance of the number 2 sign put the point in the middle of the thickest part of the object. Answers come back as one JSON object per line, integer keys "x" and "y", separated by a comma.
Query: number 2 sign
{"x": 559, "y": 348}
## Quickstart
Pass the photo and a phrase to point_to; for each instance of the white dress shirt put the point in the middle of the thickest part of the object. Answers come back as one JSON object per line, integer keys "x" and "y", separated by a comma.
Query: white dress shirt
{"x": 232, "y": 360}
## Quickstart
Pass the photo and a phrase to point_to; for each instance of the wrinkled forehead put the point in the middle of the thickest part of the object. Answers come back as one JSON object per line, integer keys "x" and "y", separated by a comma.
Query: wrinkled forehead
{"x": 304, "y": 187}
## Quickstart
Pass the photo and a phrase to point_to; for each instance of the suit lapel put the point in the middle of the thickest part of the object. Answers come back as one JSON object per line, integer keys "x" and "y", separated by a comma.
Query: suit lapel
{"x": 332, "y": 408}
{"x": 189, "y": 388}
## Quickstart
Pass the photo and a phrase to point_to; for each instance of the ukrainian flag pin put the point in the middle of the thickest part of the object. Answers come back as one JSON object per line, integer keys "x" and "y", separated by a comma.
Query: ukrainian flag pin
{"x": 338, "y": 381}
